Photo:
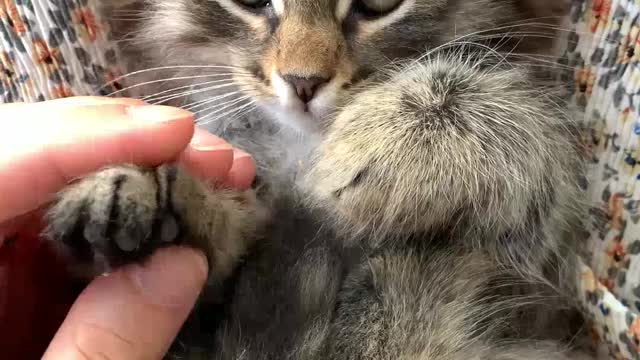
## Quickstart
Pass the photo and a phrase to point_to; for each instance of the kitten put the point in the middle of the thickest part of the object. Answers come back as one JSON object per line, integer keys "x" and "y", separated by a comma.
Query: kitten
{"x": 418, "y": 180}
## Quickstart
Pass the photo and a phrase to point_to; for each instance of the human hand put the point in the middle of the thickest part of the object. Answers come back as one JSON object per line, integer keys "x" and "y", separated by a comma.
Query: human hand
{"x": 136, "y": 311}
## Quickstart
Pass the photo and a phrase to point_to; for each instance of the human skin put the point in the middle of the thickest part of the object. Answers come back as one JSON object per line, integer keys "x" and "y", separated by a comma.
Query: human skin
{"x": 136, "y": 311}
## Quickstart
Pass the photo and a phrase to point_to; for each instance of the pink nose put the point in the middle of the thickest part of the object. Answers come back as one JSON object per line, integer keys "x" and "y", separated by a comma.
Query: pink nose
{"x": 306, "y": 87}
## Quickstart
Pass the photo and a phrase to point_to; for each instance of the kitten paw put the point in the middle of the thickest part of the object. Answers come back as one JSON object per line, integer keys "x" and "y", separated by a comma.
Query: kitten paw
{"x": 117, "y": 216}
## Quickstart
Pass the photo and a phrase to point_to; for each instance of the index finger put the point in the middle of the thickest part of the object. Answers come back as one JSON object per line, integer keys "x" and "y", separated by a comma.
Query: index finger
{"x": 44, "y": 147}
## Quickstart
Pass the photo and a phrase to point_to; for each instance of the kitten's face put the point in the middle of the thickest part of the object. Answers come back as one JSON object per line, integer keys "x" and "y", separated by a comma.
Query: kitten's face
{"x": 299, "y": 59}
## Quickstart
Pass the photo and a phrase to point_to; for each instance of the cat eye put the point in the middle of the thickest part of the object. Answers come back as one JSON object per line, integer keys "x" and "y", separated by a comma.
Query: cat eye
{"x": 375, "y": 8}
{"x": 254, "y": 4}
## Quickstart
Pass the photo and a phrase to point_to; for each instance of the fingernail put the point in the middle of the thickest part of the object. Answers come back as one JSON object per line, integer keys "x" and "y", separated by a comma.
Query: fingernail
{"x": 157, "y": 113}
{"x": 204, "y": 141}
{"x": 172, "y": 277}
{"x": 240, "y": 154}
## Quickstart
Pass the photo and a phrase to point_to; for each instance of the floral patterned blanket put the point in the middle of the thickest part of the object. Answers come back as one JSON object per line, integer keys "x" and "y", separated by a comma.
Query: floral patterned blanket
{"x": 51, "y": 49}
{"x": 603, "y": 62}
{"x": 58, "y": 48}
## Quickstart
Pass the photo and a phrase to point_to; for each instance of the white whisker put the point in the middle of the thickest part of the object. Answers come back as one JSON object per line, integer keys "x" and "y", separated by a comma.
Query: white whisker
{"x": 152, "y": 96}
{"x": 200, "y": 120}
{"x": 193, "y": 92}
{"x": 163, "y": 80}
{"x": 196, "y": 104}
{"x": 220, "y": 107}
{"x": 237, "y": 71}
{"x": 238, "y": 115}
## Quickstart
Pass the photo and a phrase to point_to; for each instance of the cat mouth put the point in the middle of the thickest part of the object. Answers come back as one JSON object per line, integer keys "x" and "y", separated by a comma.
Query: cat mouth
{"x": 312, "y": 109}
{"x": 304, "y": 118}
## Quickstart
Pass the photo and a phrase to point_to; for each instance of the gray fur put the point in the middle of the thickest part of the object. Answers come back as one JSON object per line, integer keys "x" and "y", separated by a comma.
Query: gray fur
{"x": 431, "y": 213}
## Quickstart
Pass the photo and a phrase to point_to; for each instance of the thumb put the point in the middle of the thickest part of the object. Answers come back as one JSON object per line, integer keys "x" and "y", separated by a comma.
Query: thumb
{"x": 135, "y": 312}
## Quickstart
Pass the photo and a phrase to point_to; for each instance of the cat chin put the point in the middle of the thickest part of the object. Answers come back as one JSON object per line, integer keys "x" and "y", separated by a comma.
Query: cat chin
{"x": 309, "y": 123}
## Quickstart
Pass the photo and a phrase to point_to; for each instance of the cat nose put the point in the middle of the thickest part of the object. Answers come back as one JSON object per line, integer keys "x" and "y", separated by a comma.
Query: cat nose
{"x": 306, "y": 87}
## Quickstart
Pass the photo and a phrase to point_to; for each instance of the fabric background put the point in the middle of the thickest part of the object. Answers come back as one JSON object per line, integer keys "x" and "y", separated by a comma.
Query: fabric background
{"x": 56, "y": 48}
{"x": 603, "y": 79}
{"x": 51, "y": 49}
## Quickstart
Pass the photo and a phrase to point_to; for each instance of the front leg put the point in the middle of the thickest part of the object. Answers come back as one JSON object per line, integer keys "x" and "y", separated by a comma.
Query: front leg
{"x": 448, "y": 144}
{"x": 122, "y": 214}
